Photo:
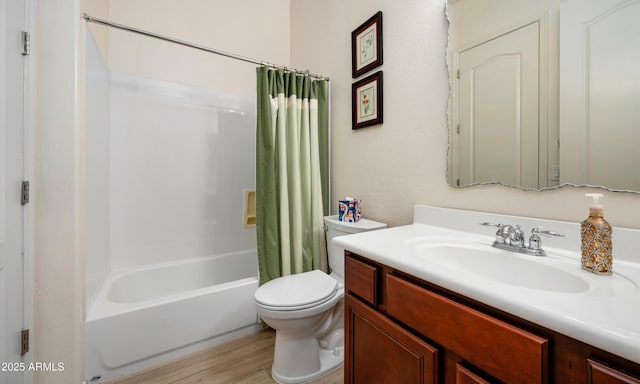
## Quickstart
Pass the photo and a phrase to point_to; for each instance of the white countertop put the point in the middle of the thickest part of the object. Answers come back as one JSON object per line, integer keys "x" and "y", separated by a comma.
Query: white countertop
{"x": 607, "y": 315}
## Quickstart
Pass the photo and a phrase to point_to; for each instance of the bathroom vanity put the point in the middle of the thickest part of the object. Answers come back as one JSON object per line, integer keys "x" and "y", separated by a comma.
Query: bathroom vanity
{"x": 414, "y": 318}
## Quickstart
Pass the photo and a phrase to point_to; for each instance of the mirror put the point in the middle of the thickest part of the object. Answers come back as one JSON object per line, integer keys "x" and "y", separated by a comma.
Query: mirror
{"x": 544, "y": 93}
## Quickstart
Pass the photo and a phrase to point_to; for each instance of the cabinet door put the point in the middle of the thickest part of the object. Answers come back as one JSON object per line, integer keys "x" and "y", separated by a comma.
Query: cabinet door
{"x": 379, "y": 351}
{"x": 601, "y": 374}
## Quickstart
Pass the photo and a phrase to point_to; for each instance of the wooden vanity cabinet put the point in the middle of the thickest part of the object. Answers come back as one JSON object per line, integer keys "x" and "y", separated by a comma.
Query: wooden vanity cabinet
{"x": 399, "y": 329}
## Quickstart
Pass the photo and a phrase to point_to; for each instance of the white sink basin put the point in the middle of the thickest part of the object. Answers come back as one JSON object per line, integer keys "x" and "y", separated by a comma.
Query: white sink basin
{"x": 501, "y": 266}
{"x": 471, "y": 256}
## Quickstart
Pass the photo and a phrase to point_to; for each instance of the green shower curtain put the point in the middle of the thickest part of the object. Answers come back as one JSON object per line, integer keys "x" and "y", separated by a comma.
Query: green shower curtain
{"x": 291, "y": 173}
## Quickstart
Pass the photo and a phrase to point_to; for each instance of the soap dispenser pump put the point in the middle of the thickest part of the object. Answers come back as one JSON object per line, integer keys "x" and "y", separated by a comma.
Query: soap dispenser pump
{"x": 596, "y": 239}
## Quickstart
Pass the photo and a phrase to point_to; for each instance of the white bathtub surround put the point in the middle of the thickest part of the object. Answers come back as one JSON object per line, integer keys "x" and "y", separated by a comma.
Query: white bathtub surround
{"x": 603, "y": 312}
{"x": 148, "y": 315}
{"x": 180, "y": 158}
{"x": 165, "y": 169}
{"x": 96, "y": 212}
{"x": 170, "y": 268}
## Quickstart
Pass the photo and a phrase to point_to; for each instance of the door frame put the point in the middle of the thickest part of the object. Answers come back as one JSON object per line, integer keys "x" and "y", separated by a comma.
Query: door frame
{"x": 28, "y": 165}
{"x": 543, "y": 95}
{"x": 27, "y": 23}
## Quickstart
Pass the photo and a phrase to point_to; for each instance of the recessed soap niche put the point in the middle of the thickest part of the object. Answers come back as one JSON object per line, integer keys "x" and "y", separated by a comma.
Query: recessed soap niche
{"x": 249, "y": 208}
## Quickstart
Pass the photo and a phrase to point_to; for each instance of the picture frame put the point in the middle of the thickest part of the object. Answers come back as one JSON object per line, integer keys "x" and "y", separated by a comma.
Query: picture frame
{"x": 366, "y": 101}
{"x": 366, "y": 46}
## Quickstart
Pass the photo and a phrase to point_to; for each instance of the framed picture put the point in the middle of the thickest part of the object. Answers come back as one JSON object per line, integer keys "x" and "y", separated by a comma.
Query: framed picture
{"x": 366, "y": 101}
{"x": 366, "y": 46}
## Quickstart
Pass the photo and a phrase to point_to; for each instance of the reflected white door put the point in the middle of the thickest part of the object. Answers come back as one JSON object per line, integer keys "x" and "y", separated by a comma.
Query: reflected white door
{"x": 498, "y": 91}
{"x": 599, "y": 93}
{"x": 11, "y": 174}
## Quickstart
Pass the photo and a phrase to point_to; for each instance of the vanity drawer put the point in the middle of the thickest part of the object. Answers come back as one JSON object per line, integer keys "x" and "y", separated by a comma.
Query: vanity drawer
{"x": 465, "y": 376}
{"x": 361, "y": 280}
{"x": 602, "y": 374}
{"x": 501, "y": 350}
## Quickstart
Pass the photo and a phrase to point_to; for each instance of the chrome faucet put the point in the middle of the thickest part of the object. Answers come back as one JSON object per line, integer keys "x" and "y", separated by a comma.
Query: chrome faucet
{"x": 511, "y": 238}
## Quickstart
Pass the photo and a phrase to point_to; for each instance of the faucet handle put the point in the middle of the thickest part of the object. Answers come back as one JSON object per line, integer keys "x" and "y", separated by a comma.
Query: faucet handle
{"x": 490, "y": 224}
{"x": 548, "y": 233}
{"x": 535, "y": 243}
{"x": 502, "y": 234}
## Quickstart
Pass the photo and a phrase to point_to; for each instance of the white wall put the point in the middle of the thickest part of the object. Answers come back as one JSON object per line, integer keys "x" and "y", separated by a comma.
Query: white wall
{"x": 401, "y": 163}
{"x": 251, "y": 28}
{"x": 58, "y": 316}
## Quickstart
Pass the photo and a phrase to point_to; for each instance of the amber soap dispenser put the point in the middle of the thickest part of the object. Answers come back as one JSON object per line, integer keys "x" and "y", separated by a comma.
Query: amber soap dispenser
{"x": 596, "y": 239}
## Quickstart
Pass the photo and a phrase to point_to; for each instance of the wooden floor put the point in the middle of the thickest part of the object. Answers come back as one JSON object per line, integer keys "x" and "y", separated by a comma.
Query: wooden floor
{"x": 246, "y": 360}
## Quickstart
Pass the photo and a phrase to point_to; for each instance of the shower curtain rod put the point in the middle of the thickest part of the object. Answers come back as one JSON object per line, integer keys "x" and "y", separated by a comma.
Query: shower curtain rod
{"x": 91, "y": 19}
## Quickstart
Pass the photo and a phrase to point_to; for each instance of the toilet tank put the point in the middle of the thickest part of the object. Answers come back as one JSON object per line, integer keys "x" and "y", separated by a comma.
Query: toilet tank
{"x": 336, "y": 228}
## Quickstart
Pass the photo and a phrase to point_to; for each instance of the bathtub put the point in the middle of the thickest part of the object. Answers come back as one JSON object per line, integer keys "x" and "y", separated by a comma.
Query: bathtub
{"x": 149, "y": 315}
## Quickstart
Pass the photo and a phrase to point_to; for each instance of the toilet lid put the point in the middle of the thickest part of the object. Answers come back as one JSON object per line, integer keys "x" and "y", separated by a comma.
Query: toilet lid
{"x": 299, "y": 290}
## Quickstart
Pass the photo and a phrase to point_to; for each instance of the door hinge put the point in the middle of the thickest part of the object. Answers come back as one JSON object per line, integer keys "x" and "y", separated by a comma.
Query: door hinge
{"x": 458, "y": 128}
{"x": 458, "y": 74}
{"x": 24, "y": 342}
{"x": 26, "y": 43}
{"x": 24, "y": 193}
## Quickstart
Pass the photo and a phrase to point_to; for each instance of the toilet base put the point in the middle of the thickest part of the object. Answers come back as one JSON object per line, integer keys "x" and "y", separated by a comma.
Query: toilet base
{"x": 330, "y": 360}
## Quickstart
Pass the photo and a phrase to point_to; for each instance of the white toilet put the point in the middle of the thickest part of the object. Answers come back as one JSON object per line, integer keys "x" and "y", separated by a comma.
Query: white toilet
{"x": 307, "y": 312}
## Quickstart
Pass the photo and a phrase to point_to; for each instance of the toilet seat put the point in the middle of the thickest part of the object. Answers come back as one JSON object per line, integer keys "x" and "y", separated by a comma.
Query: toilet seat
{"x": 296, "y": 292}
